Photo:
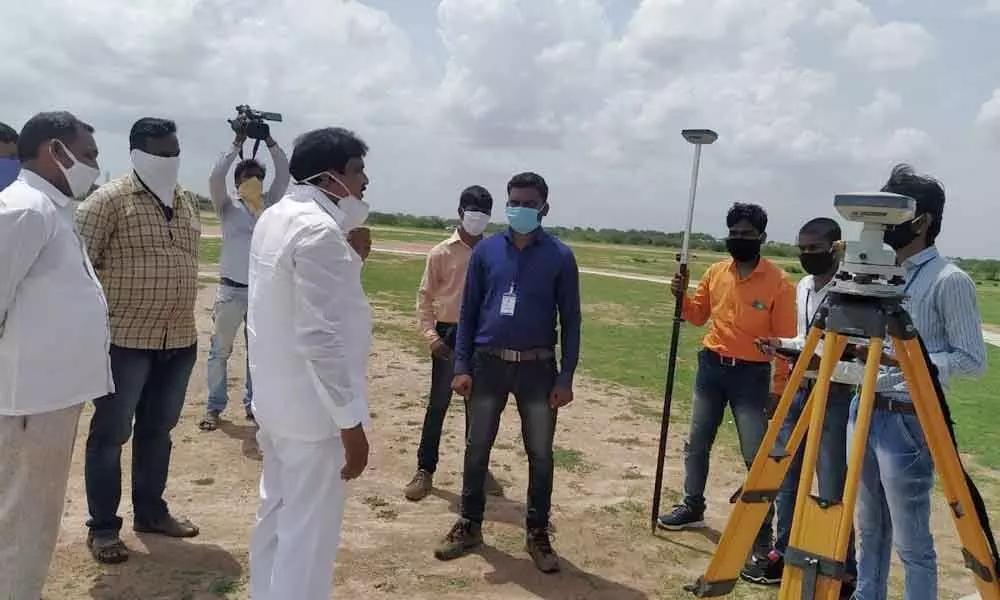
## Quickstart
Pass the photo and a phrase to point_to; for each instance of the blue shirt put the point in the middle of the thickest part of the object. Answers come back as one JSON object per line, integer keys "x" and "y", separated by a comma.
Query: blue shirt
{"x": 545, "y": 281}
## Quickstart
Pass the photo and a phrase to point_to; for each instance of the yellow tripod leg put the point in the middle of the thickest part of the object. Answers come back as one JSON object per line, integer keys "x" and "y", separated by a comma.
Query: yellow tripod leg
{"x": 975, "y": 548}
{"x": 821, "y": 530}
{"x": 759, "y": 488}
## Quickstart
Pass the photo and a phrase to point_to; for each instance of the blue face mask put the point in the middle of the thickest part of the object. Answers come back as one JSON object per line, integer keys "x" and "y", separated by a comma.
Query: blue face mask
{"x": 523, "y": 219}
{"x": 9, "y": 168}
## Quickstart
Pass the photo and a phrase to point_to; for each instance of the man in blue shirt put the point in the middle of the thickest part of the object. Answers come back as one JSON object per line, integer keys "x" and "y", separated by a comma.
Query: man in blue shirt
{"x": 516, "y": 284}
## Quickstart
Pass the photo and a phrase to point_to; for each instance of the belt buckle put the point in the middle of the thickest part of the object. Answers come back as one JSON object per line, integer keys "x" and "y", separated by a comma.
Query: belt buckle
{"x": 727, "y": 361}
{"x": 510, "y": 355}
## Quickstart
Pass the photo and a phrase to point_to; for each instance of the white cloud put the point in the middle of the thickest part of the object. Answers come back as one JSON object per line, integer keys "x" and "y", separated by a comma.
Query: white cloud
{"x": 989, "y": 116}
{"x": 469, "y": 91}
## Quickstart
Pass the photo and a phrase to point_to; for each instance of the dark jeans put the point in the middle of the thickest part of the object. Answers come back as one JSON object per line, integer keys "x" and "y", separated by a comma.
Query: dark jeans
{"x": 442, "y": 372}
{"x": 493, "y": 380}
{"x": 745, "y": 387}
{"x": 831, "y": 464}
{"x": 150, "y": 386}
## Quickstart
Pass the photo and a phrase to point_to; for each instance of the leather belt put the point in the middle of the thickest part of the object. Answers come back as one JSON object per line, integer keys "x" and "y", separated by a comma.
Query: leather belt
{"x": 730, "y": 361}
{"x": 231, "y": 283}
{"x": 884, "y": 403}
{"x": 515, "y": 356}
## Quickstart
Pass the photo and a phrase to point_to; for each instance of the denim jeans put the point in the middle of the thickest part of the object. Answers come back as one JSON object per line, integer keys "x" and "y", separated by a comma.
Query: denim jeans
{"x": 531, "y": 382}
{"x": 745, "y": 387}
{"x": 894, "y": 505}
{"x": 438, "y": 401}
{"x": 229, "y": 313}
{"x": 150, "y": 386}
{"x": 831, "y": 467}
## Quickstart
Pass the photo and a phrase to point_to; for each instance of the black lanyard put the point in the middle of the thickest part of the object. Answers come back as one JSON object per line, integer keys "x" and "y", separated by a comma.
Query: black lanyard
{"x": 915, "y": 274}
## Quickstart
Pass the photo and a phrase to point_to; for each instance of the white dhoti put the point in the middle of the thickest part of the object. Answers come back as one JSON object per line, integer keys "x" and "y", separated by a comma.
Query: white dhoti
{"x": 294, "y": 544}
{"x": 35, "y": 456}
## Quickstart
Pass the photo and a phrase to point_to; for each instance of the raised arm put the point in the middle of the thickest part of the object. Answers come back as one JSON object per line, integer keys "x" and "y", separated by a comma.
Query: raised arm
{"x": 217, "y": 180}
{"x": 570, "y": 319}
{"x": 279, "y": 184}
{"x": 22, "y": 236}
{"x": 95, "y": 221}
{"x": 468, "y": 320}
{"x": 321, "y": 271}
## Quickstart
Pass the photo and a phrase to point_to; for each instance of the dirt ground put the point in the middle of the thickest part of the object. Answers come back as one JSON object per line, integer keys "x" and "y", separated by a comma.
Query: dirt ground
{"x": 605, "y": 461}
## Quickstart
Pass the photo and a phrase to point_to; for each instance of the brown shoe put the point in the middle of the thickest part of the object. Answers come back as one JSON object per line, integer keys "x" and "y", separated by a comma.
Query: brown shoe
{"x": 539, "y": 546}
{"x": 421, "y": 485}
{"x": 464, "y": 537}
{"x": 492, "y": 487}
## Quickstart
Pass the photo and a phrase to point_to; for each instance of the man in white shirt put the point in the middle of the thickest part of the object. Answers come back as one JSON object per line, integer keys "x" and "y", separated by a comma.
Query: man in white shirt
{"x": 238, "y": 215}
{"x": 309, "y": 327}
{"x": 819, "y": 260}
{"x": 53, "y": 342}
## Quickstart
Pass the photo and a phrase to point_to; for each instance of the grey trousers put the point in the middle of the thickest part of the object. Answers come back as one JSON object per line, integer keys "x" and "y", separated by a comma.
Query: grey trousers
{"x": 35, "y": 456}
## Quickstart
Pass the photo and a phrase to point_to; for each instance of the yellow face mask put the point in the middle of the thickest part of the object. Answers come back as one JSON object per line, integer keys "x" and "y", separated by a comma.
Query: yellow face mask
{"x": 252, "y": 193}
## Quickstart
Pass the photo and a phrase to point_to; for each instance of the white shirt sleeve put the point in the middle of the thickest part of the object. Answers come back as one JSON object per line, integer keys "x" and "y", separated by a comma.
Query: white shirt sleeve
{"x": 802, "y": 321}
{"x": 23, "y": 234}
{"x": 321, "y": 267}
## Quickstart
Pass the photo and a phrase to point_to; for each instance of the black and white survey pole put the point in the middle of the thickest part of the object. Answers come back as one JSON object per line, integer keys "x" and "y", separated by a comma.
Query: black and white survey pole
{"x": 699, "y": 138}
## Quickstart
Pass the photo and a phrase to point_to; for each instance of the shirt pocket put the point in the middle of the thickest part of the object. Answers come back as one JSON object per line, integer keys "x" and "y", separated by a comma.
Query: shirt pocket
{"x": 753, "y": 313}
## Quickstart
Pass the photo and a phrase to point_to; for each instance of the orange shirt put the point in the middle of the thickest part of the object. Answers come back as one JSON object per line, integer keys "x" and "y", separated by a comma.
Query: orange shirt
{"x": 742, "y": 310}
{"x": 440, "y": 295}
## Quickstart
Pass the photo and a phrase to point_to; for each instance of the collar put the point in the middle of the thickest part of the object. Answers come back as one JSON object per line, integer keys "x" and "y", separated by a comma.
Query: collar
{"x": 759, "y": 268}
{"x": 536, "y": 235}
{"x": 305, "y": 192}
{"x": 455, "y": 238}
{"x": 39, "y": 183}
{"x": 136, "y": 186}
{"x": 921, "y": 258}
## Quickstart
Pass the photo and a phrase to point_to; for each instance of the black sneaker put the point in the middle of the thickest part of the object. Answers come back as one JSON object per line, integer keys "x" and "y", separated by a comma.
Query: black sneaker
{"x": 539, "y": 546}
{"x": 764, "y": 570}
{"x": 682, "y": 517}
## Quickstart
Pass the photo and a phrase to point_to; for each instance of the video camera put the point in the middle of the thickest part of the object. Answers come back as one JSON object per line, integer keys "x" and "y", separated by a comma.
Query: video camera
{"x": 251, "y": 122}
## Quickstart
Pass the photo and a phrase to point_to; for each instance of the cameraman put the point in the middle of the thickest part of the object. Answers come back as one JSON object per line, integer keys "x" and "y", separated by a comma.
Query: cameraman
{"x": 238, "y": 216}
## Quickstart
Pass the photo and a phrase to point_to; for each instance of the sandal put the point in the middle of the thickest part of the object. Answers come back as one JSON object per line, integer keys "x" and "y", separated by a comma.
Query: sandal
{"x": 210, "y": 422}
{"x": 107, "y": 550}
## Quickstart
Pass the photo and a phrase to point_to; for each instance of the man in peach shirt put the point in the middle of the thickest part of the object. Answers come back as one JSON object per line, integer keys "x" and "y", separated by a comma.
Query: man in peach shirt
{"x": 438, "y": 302}
{"x": 746, "y": 297}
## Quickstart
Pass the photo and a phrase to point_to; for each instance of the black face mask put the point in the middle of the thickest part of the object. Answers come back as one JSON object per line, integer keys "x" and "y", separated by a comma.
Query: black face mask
{"x": 899, "y": 236}
{"x": 743, "y": 250}
{"x": 817, "y": 263}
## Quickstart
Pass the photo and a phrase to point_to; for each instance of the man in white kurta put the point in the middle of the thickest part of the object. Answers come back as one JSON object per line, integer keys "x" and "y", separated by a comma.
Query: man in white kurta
{"x": 53, "y": 342}
{"x": 309, "y": 327}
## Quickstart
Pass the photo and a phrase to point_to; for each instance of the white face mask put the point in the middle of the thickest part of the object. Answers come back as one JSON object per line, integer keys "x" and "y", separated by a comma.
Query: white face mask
{"x": 475, "y": 222}
{"x": 79, "y": 177}
{"x": 159, "y": 173}
{"x": 355, "y": 210}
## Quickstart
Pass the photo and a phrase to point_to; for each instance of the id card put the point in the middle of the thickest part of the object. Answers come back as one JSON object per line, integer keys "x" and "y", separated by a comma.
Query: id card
{"x": 508, "y": 303}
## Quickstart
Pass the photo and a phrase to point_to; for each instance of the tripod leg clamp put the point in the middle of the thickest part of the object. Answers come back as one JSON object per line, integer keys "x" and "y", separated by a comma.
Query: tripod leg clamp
{"x": 813, "y": 566}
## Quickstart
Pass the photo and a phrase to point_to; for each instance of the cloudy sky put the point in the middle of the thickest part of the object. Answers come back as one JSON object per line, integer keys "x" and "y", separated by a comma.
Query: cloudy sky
{"x": 810, "y": 97}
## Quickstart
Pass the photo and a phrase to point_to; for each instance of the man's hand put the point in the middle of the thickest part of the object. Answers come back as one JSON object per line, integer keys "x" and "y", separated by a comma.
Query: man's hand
{"x": 441, "y": 350}
{"x": 679, "y": 285}
{"x": 361, "y": 240}
{"x": 861, "y": 354}
{"x": 462, "y": 385}
{"x": 768, "y": 345}
{"x": 560, "y": 396}
{"x": 355, "y": 452}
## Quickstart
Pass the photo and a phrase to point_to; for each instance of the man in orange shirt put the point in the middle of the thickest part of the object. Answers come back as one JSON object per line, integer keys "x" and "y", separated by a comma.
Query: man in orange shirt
{"x": 746, "y": 297}
{"x": 438, "y": 302}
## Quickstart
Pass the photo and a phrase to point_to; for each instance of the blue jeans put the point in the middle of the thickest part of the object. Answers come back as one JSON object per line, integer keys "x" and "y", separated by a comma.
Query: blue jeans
{"x": 150, "y": 386}
{"x": 229, "y": 313}
{"x": 531, "y": 382}
{"x": 894, "y": 505}
{"x": 745, "y": 387}
{"x": 831, "y": 467}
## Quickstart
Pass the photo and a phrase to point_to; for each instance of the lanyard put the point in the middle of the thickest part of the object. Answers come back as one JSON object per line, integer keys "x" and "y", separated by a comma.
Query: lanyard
{"x": 915, "y": 274}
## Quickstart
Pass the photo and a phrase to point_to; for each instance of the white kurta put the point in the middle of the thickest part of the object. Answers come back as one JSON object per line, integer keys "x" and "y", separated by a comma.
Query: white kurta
{"x": 309, "y": 336}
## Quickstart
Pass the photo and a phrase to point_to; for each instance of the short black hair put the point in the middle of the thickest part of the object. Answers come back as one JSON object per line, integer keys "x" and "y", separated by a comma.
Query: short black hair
{"x": 148, "y": 128}
{"x": 927, "y": 191}
{"x": 529, "y": 180}
{"x": 752, "y": 213}
{"x": 475, "y": 196}
{"x": 247, "y": 164}
{"x": 824, "y": 227}
{"x": 59, "y": 125}
{"x": 7, "y": 134}
{"x": 324, "y": 149}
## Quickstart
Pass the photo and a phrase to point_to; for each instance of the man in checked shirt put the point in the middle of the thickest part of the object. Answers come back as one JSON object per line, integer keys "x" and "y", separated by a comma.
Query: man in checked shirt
{"x": 142, "y": 233}
{"x": 438, "y": 302}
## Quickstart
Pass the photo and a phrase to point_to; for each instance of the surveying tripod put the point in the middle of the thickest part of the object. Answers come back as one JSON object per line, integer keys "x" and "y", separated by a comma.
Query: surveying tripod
{"x": 821, "y": 527}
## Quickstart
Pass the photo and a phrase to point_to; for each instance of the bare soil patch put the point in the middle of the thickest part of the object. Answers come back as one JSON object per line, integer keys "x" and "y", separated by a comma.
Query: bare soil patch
{"x": 606, "y": 454}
